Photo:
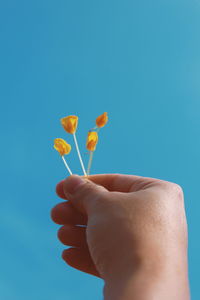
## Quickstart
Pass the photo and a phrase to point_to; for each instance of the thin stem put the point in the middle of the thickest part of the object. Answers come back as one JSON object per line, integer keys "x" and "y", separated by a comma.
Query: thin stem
{"x": 91, "y": 154}
{"x": 95, "y": 128}
{"x": 66, "y": 165}
{"x": 79, "y": 155}
{"x": 90, "y": 162}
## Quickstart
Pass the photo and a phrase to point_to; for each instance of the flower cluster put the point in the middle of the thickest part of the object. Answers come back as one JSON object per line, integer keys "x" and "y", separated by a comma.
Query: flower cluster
{"x": 70, "y": 124}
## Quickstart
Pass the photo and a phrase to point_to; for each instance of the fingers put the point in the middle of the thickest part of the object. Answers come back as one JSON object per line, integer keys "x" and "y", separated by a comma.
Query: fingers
{"x": 65, "y": 213}
{"x": 80, "y": 259}
{"x": 121, "y": 182}
{"x": 83, "y": 193}
{"x": 71, "y": 235}
{"x": 113, "y": 183}
{"x": 59, "y": 190}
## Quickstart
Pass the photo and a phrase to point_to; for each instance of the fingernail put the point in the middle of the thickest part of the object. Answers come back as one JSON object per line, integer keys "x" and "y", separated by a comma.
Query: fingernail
{"x": 72, "y": 183}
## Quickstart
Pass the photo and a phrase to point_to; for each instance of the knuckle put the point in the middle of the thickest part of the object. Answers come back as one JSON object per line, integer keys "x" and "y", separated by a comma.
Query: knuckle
{"x": 172, "y": 188}
{"x": 89, "y": 189}
{"x": 83, "y": 190}
{"x": 177, "y": 190}
{"x": 84, "y": 187}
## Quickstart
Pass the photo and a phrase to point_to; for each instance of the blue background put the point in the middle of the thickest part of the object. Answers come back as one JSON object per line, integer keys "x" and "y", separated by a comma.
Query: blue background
{"x": 137, "y": 60}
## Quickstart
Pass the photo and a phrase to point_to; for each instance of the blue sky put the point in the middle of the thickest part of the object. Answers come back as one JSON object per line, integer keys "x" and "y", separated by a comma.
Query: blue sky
{"x": 137, "y": 60}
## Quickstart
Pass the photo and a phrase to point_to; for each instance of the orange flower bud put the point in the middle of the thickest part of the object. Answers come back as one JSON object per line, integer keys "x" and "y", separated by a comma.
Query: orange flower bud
{"x": 70, "y": 123}
{"x": 102, "y": 120}
{"x": 92, "y": 140}
{"x": 61, "y": 146}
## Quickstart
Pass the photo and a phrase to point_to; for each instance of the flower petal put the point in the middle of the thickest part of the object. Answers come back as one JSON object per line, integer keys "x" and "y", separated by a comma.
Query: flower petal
{"x": 102, "y": 120}
{"x": 62, "y": 146}
{"x": 92, "y": 140}
{"x": 70, "y": 123}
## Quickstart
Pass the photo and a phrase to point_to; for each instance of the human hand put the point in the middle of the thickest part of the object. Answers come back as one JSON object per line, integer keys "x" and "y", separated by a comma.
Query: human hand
{"x": 135, "y": 230}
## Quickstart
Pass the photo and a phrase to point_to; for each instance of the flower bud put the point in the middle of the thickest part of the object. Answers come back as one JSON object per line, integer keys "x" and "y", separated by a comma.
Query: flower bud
{"x": 92, "y": 140}
{"x": 62, "y": 146}
{"x": 102, "y": 120}
{"x": 70, "y": 123}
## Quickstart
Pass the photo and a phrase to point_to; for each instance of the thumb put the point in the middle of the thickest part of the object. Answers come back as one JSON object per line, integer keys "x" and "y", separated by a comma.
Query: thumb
{"x": 82, "y": 192}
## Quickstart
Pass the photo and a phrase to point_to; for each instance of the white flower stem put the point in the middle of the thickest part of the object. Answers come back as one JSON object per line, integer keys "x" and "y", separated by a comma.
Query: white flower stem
{"x": 66, "y": 165}
{"x": 79, "y": 155}
{"x": 91, "y": 154}
{"x": 90, "y": 162}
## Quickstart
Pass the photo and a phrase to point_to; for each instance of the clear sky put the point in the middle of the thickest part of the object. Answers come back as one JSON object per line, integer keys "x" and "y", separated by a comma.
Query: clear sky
{"x": 137, "y": 60}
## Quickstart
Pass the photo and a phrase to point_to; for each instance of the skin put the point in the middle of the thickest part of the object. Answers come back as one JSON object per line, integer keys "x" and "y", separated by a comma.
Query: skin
{"x": 133, "y": 234}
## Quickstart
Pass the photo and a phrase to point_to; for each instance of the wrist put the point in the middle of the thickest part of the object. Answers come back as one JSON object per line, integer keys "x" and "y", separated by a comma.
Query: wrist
{"x": 149, "y": 279}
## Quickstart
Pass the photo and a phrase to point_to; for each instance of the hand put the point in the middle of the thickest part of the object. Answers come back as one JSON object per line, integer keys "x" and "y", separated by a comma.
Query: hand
{"x": 134, "y": 231}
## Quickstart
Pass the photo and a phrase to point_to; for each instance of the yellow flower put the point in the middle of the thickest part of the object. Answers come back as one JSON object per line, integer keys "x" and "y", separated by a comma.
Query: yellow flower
{"x": 92, "y": 140}
{"x": 70, "y": 123}
{"x": 61, "y": 146}
{"x": 102, "y": 120}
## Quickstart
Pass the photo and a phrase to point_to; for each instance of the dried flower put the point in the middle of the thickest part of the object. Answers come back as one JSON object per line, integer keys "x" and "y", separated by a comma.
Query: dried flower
{"x": 92, "y": 140}
{"x": 102, "y": 120}
{"x": 62, "y": 146}
{"x": 70, "y": 123}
